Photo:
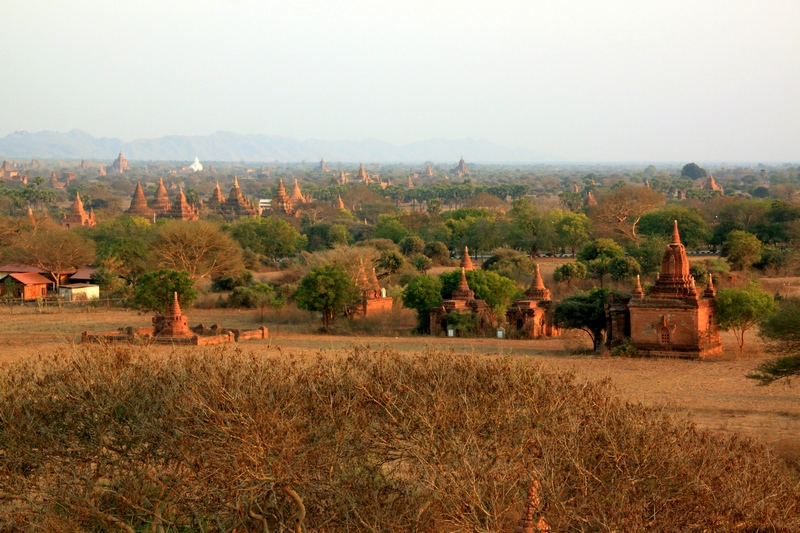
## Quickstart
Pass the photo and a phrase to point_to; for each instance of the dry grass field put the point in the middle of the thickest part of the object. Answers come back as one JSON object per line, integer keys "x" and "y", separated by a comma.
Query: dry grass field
{"x": 714, "y": 393}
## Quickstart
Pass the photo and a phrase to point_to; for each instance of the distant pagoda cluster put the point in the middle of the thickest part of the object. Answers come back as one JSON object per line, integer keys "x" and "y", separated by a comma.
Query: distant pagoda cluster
{"x": 162, "y": 207}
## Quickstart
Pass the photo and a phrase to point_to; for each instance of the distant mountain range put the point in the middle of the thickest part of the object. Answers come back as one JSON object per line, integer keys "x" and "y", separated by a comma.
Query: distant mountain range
{"x": 227, "y": 146}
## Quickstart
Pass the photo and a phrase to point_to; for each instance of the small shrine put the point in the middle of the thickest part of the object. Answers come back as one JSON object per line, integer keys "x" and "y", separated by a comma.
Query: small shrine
{"x": 139, "y": 205}
{"x": 462, "y": 301}
{"x": 323, "y": 166}
{"x": 173, "y": 328}
{"x": 531, "y": 317}
{"x": 590, "y": 201}
{"x": 676, "y": 319}
{"x": 362, "y": 175}
{"x": 78, "y": 216}
{"x": 372, "y": 298}
{"x": 237, "y": 206}
{"x": 54, "y": 181}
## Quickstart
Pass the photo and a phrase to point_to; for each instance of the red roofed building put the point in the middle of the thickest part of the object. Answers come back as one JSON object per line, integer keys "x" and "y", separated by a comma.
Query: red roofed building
{"x": 27, "y": 285}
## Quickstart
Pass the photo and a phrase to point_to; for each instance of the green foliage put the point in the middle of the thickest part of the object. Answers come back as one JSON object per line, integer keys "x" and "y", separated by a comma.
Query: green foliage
{"x": 497, "y": 290}
{"x": 649, "y": 252}
{"x": 232, "y": 280}
{"x": 462, "y": 323}
{"x": 154, "y": 291}
{"x": 741, "y": 309}
{"x": 422, "y": 263}
{"x": 412, "y": 245}
{"x": 569, "y": 272}
{"x": 693, "y": 227}
{"x": 741, "y": 249}
{"x": 625, "y": 349}
{"x": 254, "y": 296}
{"x": 773, "y": 259}
{"x": 781, "y": 334}
{"x": 699, "y": 272}
{"x": 693, "y": 171}
{"x": 606, "y": 248}
{"x": 509, "y": 263}
{"x": 388, "y": 227}
{"x": 338, "y": 236}
{"x": 584, "y": 311}
{"x": 327, "y": 290}
{"x": 422, "y": 293}
{"x": 623, "y": 268}
{"x": 268, "y": 236}
{"x": 572, "y": 230}
{"x": 390, "y": 261}
{"x": 438, "y": 252}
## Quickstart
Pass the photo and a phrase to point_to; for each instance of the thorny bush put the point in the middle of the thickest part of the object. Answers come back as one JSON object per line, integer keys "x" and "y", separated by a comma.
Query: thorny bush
{"x": 116, "y": 438}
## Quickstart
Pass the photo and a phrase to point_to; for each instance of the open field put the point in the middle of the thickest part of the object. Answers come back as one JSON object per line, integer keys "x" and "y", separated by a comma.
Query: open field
{"x": 714, "y": 393}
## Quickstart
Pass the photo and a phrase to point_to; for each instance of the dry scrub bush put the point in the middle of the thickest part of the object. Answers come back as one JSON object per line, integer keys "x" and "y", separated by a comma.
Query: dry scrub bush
{"x": 114, "y": 438}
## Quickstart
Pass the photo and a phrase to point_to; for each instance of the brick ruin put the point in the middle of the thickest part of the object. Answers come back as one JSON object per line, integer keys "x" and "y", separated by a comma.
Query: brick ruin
{"x": 462, "y": 301}
{"x": 139, "y": 205}
{"x": 181, "y": 210}
{"x": 281, "y": 201}
{"x": 372, "y": 298}
{"x": 78, "y": 216}
{"x": 161, "y": 203}
{"x": 532, "y": 316}
{"x": 461, "y": 168}
{"x": 675, "y": 319}
{"x": 236, "y": 206}
{"x": 466, "y": 261}
{"x": 173, "y": 328}
{"x": 120, "y": 164}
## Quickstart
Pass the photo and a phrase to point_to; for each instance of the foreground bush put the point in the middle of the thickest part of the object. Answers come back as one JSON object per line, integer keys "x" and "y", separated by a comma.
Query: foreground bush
{"x": 103, "y": 439}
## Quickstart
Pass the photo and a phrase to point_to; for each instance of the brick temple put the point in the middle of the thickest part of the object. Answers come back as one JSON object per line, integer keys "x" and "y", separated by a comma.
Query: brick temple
{"x": 462, "y": 301}
{"x": 78, "y": 216}
{"x": 676, "y": 319}
{"x": 237, "y": 206}
{"x": 372, "y": 298}
{"x": 532, "y": 317}
{"x": 139, "y": 205}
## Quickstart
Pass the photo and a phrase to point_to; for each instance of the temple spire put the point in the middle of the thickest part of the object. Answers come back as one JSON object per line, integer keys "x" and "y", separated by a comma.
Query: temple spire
{"x": 466, "y": 261}
{"x": 638, "y": 292}
{"x": 175, "y": 308}
{"x": 676, "y": 236}
{"x": 462, "y": 283}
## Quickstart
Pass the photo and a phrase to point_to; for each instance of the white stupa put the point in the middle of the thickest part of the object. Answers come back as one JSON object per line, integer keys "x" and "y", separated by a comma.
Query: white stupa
{"x": 196, "y": 166}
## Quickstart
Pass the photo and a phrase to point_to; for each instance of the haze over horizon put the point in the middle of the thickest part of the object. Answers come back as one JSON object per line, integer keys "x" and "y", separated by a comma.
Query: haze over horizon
{"x": 576, "y": 81}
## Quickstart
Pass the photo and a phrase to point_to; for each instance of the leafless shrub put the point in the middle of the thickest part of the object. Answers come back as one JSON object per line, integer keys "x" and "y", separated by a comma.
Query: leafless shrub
{"x": 113, "y": 438}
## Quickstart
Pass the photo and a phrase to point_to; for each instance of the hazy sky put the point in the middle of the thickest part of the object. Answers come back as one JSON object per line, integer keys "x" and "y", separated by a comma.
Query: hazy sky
{"x": 573, "y": 81}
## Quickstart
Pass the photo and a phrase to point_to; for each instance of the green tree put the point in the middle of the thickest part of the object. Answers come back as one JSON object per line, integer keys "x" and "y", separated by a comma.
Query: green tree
{"x": 422, "y": 263}
{"x": 781, "y": 334}
{"x": 390, "y": 261}
{"x": 388, "y": 227}
{"x": 497, "y": 290}
{"x": 598, "y": 255}
{"x": 268, "y": 236}
{"x": 338, "y": 235}
{"x": 573, "y": 230}
{"x": 586, "y": 312}
{"x": 693, "y": 171}
{"x": 256, "y": 296}
{"x": 693, "y": 227}
{"x": 438, "y": 252}
{"x": 412, "y": 245}
{"x": 326, "y": 290}
{"x": 649, "y": 252}
{"x": 155, "y": 290}
{"x": 421, "y": 294}
{"x": 623, "y": 268}
{"x": 741, "y": 249}
{"x": 569, "y": 272}
{"x": 741, "y": 309}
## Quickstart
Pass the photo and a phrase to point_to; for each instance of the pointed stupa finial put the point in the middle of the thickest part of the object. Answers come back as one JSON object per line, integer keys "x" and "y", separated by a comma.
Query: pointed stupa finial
{"x": 236, "y": 180}
{"x": 538, "y": 282}
{"x": 711, "y": 291}
{"x": 462, "y": 283}
{"x": 638, "y": 292}
{"x": 676, "y": 236}
{"x": 466, "y": 260}
{"x": 175, "y": 308}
